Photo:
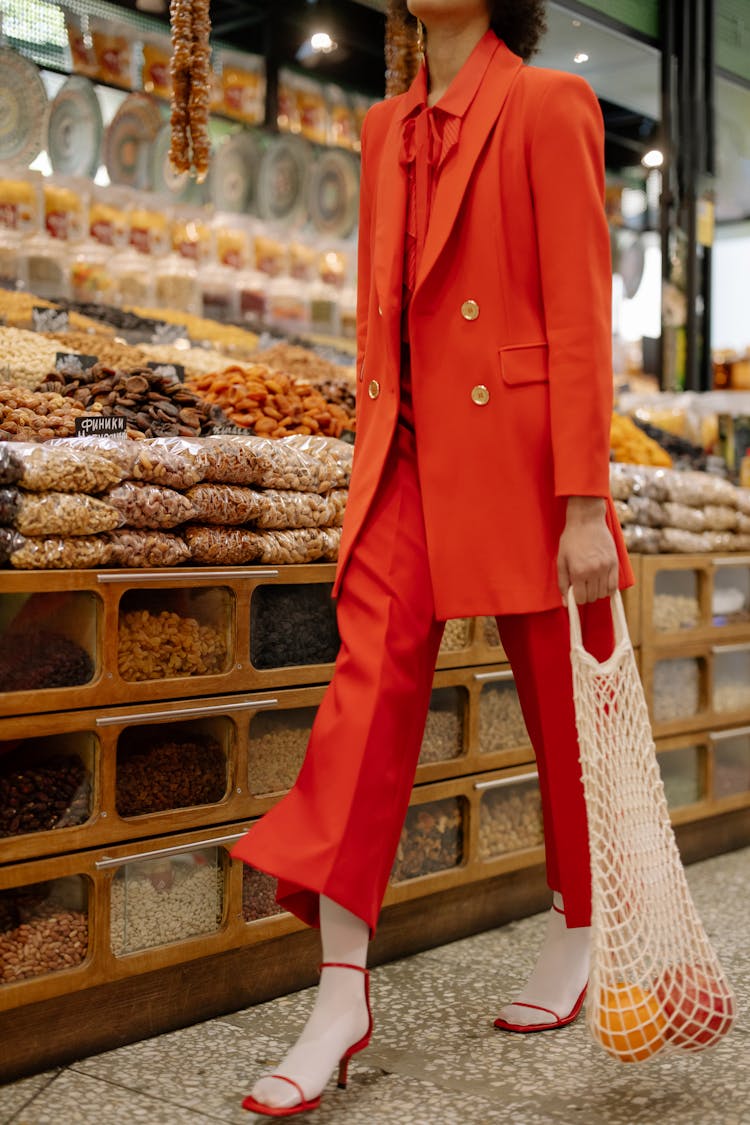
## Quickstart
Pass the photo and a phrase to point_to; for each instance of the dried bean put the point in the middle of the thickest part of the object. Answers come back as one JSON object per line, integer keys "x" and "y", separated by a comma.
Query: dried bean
{"x": 278, "y": 743}
{"x": 501, "y": 722}
{"x": 53, "y": 793}
{"x": 152, "y": 907}
{"x": 53, "y": 940}
{"x": 293, "y": 625}
{"x": 34, "y": 660}
{"x": 258, "y": 895}
{"x": 732, "y": 695}
{"x": 676, "y": 690}
{"x": 169, "y": 774}
{"x": 510, "y": 820}
{"x": 675, "y": 611}
{"x": 431, "y": 840}
{"x": 444, "y": 733}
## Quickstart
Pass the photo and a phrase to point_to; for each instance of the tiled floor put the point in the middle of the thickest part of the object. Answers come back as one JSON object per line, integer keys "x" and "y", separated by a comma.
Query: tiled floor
{"x": 435, "y": 1057}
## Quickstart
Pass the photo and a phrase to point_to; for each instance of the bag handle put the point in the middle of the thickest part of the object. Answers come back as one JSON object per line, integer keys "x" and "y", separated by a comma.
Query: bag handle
{"x": 618, "y": 620}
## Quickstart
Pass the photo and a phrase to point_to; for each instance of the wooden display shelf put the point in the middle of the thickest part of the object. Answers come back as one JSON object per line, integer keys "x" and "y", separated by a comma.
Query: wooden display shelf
{"x": 716, "y": 677}
{"x": 250, "y": 753}
{"x": 714, "y": 583}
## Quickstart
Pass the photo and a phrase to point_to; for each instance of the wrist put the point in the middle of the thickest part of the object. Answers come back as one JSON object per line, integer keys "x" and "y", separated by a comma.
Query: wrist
{"x": 585, "y": 509}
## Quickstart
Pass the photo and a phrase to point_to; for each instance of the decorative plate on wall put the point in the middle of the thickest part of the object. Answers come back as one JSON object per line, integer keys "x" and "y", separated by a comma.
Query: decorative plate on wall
{"x": 23, "y": 108}
{"x": 234, "y": 173}
{"x": 179, "y": 186}
{"x": 75, "y": 128}
{"x": 333, "y": 196}
{"x": 128, "y": 141}
{"x": 283, "y": 180}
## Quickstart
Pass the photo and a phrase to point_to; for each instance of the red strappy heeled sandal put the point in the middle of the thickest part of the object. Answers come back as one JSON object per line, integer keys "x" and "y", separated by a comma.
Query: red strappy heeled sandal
{"x": 559, "y": 1021}
{"x": 312, "y": 1103}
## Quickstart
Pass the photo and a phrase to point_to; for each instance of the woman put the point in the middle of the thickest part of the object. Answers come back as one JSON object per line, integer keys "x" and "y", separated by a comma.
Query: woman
{"x": 480, "y": 486}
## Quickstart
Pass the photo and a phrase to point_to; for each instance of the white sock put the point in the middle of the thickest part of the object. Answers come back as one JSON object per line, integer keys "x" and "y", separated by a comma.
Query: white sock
{"x": 338, "y": 1019}
{"x": 559, "y": 975}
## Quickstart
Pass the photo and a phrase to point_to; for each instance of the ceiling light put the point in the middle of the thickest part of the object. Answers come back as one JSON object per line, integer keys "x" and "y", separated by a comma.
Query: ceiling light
{"x": 654, "y": 158}
{"x": 581, "y": 57}
{"x": 321, "y": 41}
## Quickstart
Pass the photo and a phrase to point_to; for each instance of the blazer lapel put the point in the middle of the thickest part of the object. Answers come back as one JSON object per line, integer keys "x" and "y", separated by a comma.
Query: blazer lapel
{"x": 477, "y": 124}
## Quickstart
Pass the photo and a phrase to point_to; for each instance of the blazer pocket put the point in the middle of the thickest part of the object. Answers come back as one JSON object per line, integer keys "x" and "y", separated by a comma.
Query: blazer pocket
{"x": 526, "y": 363}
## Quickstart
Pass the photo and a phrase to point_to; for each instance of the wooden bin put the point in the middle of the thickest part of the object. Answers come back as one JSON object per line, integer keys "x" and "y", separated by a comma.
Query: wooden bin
{"x": 688, "y": 598}
{"x": 696, "y": 685}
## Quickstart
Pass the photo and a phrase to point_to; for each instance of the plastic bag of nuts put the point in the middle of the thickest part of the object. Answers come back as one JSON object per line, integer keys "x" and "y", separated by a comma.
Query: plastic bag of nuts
{"x": 335, "y": 455}
{"x": 286, "y": 509}
{"x": 171, "y": 462}
{"x": 80, "y": 552}
{"x": 228, "y": 504}
{"x": 268, "y": 464}
{"x": 67, "y": 467}
{"x": 719, "y": 517}
{"x": 298, "y": 545}
{"x": 681, "y": 516}
{"x": 141, "y": 548}
{"x": 10, "y": 465}
{"x": 697, "y": 489}
{"x": 10, "y": 498}
{"x": 220, "y": 546}
{"x": 64, "y": 513}
{"x": 144, "y": 505}
{"x": 642, "y": 540}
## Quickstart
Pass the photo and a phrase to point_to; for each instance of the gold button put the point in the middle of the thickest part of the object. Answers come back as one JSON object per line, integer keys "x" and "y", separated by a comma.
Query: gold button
{"x": 480, "y": 395}
{"x": 470, "y": 310}
{"x": 374, "y": 389}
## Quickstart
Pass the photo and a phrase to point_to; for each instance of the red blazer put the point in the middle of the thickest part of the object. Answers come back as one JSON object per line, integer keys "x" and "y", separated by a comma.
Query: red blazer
{"x": 510, "y": 336}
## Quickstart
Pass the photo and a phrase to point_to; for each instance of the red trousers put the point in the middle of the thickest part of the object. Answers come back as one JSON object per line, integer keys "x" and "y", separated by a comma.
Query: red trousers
{"x": 336, "y": 832}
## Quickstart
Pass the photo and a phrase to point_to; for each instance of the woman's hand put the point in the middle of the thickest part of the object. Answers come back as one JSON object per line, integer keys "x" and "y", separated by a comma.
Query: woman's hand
{"x": 587, "y": 556}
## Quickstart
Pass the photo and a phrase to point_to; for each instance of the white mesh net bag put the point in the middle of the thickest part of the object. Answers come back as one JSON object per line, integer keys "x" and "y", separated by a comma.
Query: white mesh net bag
{"x": 655, "y": 980}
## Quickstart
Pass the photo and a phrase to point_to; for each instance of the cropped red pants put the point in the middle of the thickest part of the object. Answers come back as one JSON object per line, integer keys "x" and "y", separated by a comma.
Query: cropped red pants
{"x": 336, "y": 832}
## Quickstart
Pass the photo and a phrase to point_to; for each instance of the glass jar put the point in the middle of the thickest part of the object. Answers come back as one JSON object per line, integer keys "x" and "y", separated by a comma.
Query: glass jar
{"x": 176, "y": 285}
{"x": 288, "y": 304}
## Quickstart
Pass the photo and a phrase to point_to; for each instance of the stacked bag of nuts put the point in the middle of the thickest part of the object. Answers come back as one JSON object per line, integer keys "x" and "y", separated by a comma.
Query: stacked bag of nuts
{"x": 221, "y": 500}
{"x": 671, "y": 512}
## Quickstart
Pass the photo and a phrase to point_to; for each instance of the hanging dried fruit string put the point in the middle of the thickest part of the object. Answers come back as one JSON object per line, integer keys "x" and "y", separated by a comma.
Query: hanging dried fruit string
{"x": 191, "y": 86}
{"x": 402, "y": 57}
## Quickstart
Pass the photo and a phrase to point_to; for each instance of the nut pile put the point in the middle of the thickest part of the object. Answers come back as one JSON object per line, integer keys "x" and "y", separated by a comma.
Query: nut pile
{"x": 144, "y": 505}
{"x": 169, "y": 775}
{"x": 432, "y": 839}
{"x": 48, "y": 941}
{"x": 444, "y": 733}
{"x": 54, "y": 793}
{"x": 293, "y": 625}
{"x": 130, "y": 547}
{"x": 227, "y": 337}
{"x": 336, "y": 384}
{"x": 109, "y": 351}
{"x": 675, "y": 611}
{"x": 269, "y": 402}
{"x": 283, "y": 464}
{"x": 69, "y": 467}
{"x": 278, "y": 742}
{"x": 258, "y": 895}
{"x": 36, "y": 415}
{"x": 196, "y": 361}
{"x": 501, "y": 723}
{"x": 152, "y": 403}
{"x": 456, "y": 635}
{"x": 25, "y": 357}
{"x": 154, "y": 646}
{"x": 34, "y": 660}
{"x": 732, "y": 695}
{"x": 676, "y": 690}
{"x": 148, "y": 911}
{"x": 510, "y": 820}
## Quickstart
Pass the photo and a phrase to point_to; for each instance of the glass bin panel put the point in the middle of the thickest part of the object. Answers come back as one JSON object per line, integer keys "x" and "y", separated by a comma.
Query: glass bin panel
{"x": 293, "y": 625}
{"x": 46, "y": 783}
{"x": 432, "y": 839}
{"x": 166, "y": 899}
{"x": 676, "y": 603}
{"x": 456, "y": 635}
{"x": 258, "y": 895}
{"x": 682, "y": 775}
{"x": 730, "y": 602}
{"x": 48, "y": 640}
{"x": 677, "y": 689}
{"x": 171, "y": 633}
{"x": 278, "y": 741}
{"x": 510, "y": 819}
{"x": 172, "y": 765}
{"x": 43, "y": 928}
{"x": 490, "y": 634}
{"x": 444, "y": 731}
{"x": 731, "y": 680}
{"x": 501, "y": 723}
{"x": 731, "y": 766}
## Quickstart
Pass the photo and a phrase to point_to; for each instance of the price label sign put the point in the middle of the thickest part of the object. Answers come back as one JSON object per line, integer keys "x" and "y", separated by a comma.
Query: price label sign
{"x": 168, "y": 370}
{"x": 109, "y": 425}
{"x": 348, "y": 436}
{"x": 73, "y": 363}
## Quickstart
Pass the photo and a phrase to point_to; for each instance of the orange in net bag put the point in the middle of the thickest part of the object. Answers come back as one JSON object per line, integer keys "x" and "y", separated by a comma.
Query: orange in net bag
{"x": 655, "y": 981}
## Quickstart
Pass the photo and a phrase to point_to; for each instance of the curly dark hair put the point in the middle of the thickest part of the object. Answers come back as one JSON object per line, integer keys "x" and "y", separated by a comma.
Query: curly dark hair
{"x": 521, "y": 24}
